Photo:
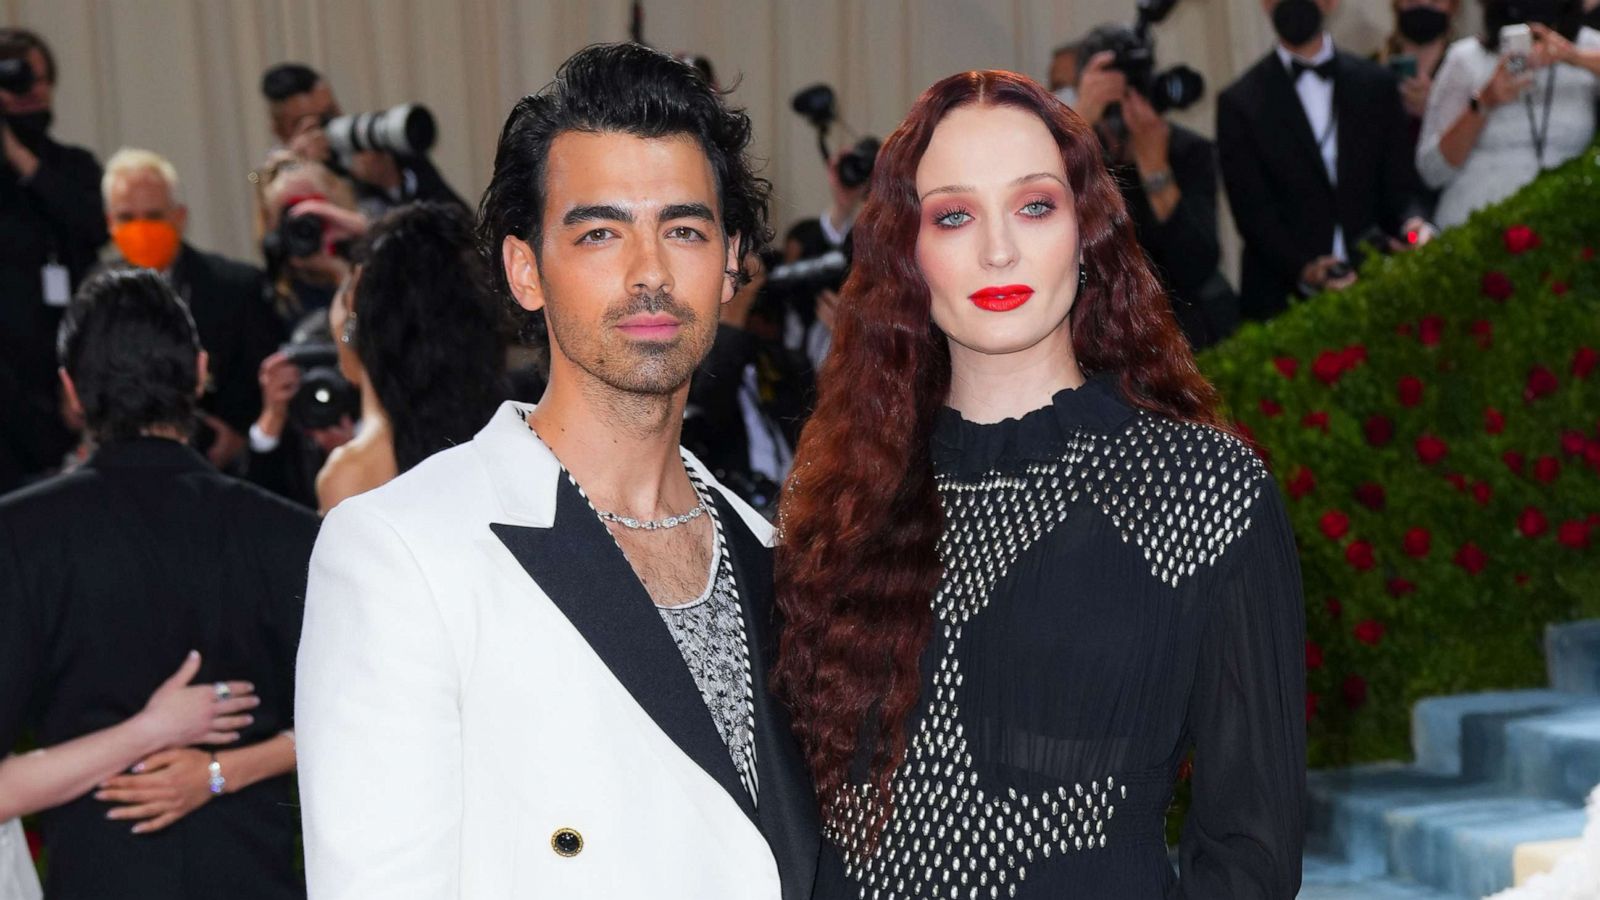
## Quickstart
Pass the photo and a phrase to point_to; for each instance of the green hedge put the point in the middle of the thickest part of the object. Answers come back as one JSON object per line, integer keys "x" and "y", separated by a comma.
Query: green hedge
{"x": 1437, "y": 430}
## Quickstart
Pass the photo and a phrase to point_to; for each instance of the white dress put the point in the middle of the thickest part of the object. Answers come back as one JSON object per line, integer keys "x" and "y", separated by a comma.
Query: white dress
{"x": 1576, "y": 876}
{"x": 1503, "y": 160}
{"x": 18, "y": 880}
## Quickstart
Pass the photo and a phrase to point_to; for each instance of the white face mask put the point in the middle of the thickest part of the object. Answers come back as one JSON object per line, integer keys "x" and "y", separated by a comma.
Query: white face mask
{"x": 1068, "y": 95}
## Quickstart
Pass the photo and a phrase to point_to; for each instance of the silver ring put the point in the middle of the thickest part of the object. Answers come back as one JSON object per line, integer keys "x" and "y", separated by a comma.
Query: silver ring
{"x": 222, "y": 690}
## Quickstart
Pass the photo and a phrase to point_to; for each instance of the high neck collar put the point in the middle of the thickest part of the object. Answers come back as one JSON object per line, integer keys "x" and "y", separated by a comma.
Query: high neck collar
{"x": 147, "y": 452}
{"x": 965, "y": 448}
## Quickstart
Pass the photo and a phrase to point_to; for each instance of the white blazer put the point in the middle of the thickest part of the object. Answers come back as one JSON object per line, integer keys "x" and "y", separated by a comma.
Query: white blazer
{"x": 483, "y": 684}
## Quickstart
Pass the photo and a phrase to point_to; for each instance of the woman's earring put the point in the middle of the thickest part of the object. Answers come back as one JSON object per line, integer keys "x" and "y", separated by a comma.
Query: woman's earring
{"x": 1083, "y": 275}
{"x": 347, "y": 334}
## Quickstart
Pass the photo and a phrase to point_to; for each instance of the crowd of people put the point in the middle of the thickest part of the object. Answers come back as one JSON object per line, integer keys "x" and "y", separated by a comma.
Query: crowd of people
{"x": 963, "y": 412}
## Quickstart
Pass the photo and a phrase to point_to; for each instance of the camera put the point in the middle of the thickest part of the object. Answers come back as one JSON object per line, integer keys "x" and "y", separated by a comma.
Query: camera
{"x": 1179, "y": 87}
{"x": 404, "y": 130}
{"x": 817, "y": 105}
{"x": 16, "y": 75}
{"x": 324, "y": 397}
{"x": 805, "y": 277}
{"x": 296, "y": 237}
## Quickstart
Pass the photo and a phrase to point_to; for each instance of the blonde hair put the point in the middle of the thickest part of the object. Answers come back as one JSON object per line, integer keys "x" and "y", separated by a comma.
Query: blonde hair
{"x": 131, "y": 159}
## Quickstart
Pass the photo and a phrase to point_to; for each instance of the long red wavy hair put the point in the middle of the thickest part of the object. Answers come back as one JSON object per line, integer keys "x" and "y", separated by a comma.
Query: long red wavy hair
{"x": 858, "y": 561}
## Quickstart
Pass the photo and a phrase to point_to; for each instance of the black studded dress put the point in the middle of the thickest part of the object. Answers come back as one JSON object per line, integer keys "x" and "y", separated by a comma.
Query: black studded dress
{"x": 1119, "y": 588}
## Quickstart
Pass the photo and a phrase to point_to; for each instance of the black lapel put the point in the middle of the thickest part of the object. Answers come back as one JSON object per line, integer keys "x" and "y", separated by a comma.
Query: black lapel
{"x": 1347, "y": 158}
{"x": 1283, "y": 105}
{"x": 787, "y": 812}
{"x": 579, "y": 566}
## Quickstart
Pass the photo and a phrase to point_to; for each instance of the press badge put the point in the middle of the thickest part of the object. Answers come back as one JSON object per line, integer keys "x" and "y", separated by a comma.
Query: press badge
{"x": 57, "y": 284}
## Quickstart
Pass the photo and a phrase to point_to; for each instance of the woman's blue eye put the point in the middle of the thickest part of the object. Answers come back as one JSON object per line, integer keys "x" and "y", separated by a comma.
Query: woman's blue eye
{"x": 1038, "y": 208}
{"x": 953, "y": 219}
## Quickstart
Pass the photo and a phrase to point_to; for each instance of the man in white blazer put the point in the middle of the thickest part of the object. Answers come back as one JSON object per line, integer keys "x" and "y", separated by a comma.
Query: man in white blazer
{"x": 535, "y": 665}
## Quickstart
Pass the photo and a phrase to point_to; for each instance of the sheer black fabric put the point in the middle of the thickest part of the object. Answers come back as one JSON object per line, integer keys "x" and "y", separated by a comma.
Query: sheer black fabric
{"x": 1118, "y": 589}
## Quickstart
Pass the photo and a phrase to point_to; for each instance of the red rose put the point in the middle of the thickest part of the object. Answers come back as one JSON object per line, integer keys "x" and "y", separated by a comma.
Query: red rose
{"x": 1404, "y": 329}
{"x": 1328, "y": 367}
{"x": 1483, "y": 330}
{"x": 1520, "y": 239}
{"x": 1584, "y": 360}
{"x": 1541, "y": 383}
{"x": 1471, "y": 558}
{"x": 1417, "y": 542}
{"x": 1431, "y": 449}
{"x": 1359, "y": 556}
{"x": 1369, "y": 632}
{"x": 1311, "y": 704}
{"x": 1559, "y": 288}
{"x": 1399, "y": 587}
{"x": 1513, "y": 461}
{"x": 1591, "y": 455}
{"x": 1586, "y": 254}
{"x": 1301, "y": 483}
{"x": 1371, "y": 495}
{"x": 1430, "y": 329}
{"x": 1522, "y": 579}
{"x": 1572, "y": 443}
{"x": 1287, "y": 366}
{"x": 1316, "y": 419}
{"x": 1546, "y": 469}
{"x": 1481, "y": 492}
{"x": 1379, "y": 430}
{"x": 1334, "y": 524}
{"x": 1573, "y": 533}
{"x": 1496, "y": 286}
{"x": 1354, "y": 690}
{"x": 1532, "y": 522}
{"x": 1494, "y": 421}
{"x": 1270, "y": 408}
{"x": 1354, "y": 355}
{"x": 1457, "y": 481}
{"x": 1335, "y": 608}
{"x": 1313, "y": 655}
{"x": 1409, "y": 389}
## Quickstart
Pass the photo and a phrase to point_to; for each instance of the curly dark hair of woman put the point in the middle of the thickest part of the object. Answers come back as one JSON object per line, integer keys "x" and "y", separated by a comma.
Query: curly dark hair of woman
{"x": 857, "y": 563}
{"x": 426, "y": 330}
{"x": 131, "y": 348}
{"x": 628, "y": 89}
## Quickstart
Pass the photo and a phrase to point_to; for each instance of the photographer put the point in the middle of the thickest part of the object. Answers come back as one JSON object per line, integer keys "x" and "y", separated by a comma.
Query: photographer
{"x": 307, "y": 219}
{"x": 1501, "y": 114}
{"x": 308, "y": 410}
{"x": 308, "y": 122}
{"x": 226, "y": 298}
{"x": 1167, "y": 175}
{"x": 51, "y": 227}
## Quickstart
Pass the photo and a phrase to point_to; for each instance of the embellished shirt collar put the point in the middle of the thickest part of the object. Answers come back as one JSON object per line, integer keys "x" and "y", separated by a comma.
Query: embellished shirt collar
{"x": 965, "y": 448}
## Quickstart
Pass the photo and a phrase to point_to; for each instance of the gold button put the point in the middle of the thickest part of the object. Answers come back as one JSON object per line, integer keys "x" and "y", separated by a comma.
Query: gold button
{"x": 566, "y": 842}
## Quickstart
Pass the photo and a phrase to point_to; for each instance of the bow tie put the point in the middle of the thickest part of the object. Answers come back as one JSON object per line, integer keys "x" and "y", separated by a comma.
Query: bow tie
{"x": 1323, "y": 70}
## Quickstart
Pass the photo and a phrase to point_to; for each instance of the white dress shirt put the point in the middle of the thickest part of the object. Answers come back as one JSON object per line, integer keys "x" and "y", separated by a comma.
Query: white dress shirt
{"x": 1316, "y": 98}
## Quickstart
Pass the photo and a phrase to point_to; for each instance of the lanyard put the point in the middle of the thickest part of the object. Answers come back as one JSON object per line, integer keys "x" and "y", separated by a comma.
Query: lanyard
{"x": 1539, "y": 133}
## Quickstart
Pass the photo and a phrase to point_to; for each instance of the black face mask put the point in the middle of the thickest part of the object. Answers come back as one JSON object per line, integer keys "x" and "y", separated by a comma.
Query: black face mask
{"x": 1296, "y": 21}
{"x": 30, "y": 128}
{"x": 1423, "y": 24}
{"x": 1545, "y": 12}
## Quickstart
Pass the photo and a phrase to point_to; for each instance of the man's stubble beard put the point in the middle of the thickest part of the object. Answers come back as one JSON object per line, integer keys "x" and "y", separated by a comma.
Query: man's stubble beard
{"x": 633, "y": 378}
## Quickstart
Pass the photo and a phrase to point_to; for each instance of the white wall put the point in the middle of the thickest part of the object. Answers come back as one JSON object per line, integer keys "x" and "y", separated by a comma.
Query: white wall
{"x": 181, "y": 76}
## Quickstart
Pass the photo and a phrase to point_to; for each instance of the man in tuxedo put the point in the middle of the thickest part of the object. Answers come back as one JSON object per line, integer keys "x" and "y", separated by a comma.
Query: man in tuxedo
{"x": 1312, "y": 143}
{"x": 237, "y": 324}
{"x": 111, "y": 571}
{"x": 536, "y": 664}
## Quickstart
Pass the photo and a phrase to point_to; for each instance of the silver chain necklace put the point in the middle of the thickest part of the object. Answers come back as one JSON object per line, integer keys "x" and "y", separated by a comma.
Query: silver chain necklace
{"x": 653, "y": 524}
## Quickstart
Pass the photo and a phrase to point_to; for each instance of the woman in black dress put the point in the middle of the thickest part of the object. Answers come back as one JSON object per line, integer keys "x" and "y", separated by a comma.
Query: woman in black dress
{"x": 1023, "y": 570}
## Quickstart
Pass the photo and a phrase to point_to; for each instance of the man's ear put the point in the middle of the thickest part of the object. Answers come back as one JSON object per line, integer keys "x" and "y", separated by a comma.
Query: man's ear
{"x": 180, "y": 218}
{"x": 734, "y": 267}
{"x": 522, "y": 273}
{"x": 71, "y": 392}
{"x": 202, "y": 371}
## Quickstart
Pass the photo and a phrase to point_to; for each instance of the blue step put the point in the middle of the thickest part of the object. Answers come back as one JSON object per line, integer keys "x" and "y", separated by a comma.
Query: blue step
{"x": 1572, "y": 656}
{"x": 1442, "y": 726}
{"x": 1327, "y": 879}
{"x": 1449, "y": 834}
{"x": 1556, "y": 755}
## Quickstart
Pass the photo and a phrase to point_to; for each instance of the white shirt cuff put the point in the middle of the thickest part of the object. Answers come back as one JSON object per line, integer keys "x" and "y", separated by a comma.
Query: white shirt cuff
{"x": 260, "y": 441}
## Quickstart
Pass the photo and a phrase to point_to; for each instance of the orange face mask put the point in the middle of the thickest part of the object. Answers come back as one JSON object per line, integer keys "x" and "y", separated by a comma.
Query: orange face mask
{"x": 149, "y": 243}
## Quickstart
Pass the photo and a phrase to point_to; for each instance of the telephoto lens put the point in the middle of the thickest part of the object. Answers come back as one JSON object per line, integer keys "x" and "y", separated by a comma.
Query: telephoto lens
{"x": 404, "y": 130}
{"x": 16, "y": 76}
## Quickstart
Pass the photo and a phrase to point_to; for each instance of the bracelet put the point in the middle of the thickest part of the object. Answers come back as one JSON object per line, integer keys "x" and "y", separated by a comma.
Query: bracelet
{"x": 216, "y": 782}
{"x": 1157, "y": 182}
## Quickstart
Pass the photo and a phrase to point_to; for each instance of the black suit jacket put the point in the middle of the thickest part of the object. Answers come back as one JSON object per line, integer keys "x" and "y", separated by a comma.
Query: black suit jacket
{"x": 238, "y": 329}
{"x": 1278, "y": 187}
{"x": 111, "y": 574}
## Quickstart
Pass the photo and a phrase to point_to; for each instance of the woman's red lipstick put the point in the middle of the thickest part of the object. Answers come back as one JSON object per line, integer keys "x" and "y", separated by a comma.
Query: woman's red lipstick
{"x": 1003, "y": 298}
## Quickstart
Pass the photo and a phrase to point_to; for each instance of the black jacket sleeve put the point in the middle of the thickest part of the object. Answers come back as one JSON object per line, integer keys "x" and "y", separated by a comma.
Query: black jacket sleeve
{"x": 1399, "y": 184}
{"x": 1254, "y": 208}
{"x": 67, "y": 185}
{"x": 1186, "y": 243}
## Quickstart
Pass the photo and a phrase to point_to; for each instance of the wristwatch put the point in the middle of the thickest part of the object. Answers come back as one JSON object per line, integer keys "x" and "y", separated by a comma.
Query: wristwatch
{"x": 1156, "y": 182}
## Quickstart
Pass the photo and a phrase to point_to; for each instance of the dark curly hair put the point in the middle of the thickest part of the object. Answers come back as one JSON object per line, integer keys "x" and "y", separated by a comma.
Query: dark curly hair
{"x": 132, "y": 349}
{"x": 426, "y": 330}
{"x": 631, "y": 89}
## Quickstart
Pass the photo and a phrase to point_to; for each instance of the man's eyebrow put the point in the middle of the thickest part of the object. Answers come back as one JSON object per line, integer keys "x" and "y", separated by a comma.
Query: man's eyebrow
{"x": 596, "y": 213}
{"x": 967, "y": 188}
{"x": 687, "y": 211}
